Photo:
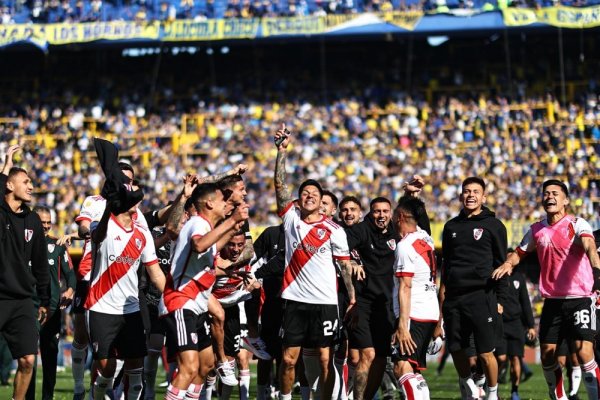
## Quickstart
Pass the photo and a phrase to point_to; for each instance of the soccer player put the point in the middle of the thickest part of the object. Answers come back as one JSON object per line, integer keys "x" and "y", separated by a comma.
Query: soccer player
{"x": 569, "y": 275}
{"x": 24, "y": 263}
{"x": 91, "y": 212}
{"x": 473, "y": 244}
{"x": 234, "y": 286}
{"x": 120, "y": 246}
{"x": 309, "y": 289}
{"x": 416, "y": 305}
{"x": 192, "y": 275}
{"x": 62, "y": 288}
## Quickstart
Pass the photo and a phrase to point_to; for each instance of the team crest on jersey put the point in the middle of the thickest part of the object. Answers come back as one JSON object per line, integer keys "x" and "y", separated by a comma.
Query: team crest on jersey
{"x": 194, "y": 337}
{"x": 28, "y": 234}
{"x": 50, "y": 248}
{"x": 477, "y": 233}
{"x": 391, "y": 244}
{"x": 516, "y": 284}
{"x": 95, "y": 346}
{"x": 138, "y": 243}
{"x": 321, "y": 233}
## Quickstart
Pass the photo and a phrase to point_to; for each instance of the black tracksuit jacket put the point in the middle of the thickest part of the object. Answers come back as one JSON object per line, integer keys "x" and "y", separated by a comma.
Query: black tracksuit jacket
{"x": 23, "y": 253}
{"x": 472, "y": 248}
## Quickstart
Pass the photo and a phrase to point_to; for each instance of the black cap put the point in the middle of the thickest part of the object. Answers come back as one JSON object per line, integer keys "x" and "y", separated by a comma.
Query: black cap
{"x": 310, "y": 182}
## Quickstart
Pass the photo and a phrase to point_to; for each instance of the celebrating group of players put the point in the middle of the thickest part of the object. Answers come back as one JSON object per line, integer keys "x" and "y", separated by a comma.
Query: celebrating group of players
{"x": 344, "y": 294}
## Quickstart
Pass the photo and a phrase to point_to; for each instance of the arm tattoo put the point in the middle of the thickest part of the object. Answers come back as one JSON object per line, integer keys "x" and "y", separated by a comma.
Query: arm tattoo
{"x": 346, "y": 272}
{"x": 175, "y": 216}
{"x": 215, "y": 178}
{"x": 282, "y": 192}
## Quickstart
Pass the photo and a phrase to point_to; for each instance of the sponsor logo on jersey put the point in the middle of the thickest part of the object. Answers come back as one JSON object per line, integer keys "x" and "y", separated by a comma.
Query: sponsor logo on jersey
{"x": 50, "y": 261}
{"x": 123, "y": 259}
{"x": 51, "y": 248}
{"x": 309, "y": 248}
{"x": 28, "y": 234}
{"x": 391, "y": 244}
{"x": 477, "y": 233}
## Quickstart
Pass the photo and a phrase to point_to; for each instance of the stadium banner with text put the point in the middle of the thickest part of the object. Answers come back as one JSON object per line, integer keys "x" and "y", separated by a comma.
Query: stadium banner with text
{"x": 563, "y": 17}
{"x": 60, "y": 34}
{"x": 210, "y": 29}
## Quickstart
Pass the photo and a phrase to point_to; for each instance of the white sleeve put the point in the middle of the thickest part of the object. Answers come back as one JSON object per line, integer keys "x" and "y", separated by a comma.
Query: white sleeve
{"x": 404, "y": 265}
{"x": 290, "y": 215}
{"x": 339, "y": 244}
{"x": 527, "y": 243}
{"x": 583, "y": 228}
{"x": 149, "y": 252}
{"x": 91, "y": 209}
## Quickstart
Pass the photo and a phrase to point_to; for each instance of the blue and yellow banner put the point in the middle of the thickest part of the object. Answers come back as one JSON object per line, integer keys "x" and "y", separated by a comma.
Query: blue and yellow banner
{"x": 563, "y": 17}
{"x": 43, "y": 35}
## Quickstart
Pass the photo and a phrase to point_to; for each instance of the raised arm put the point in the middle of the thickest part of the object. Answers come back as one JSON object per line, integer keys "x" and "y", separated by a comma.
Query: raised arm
{"x": 238, "y": 170}
{"x": 8, "y": 164}
{"x": 282, "y": 192}
{"x": 173, "y": 225}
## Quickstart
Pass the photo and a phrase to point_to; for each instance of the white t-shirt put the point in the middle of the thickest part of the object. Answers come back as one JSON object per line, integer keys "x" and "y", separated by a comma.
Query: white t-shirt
{"x": 415, "y": 257}
{"x": 310, "y": 250}
{"x": 114, "y": 284}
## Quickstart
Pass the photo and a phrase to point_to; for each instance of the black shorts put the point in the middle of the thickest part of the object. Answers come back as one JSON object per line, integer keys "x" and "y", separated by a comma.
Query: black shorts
{"x": 116, "y": 336}
{"x": 514, "y": 334}
{"x": 232, "y": 331}
{"x": 157, "y": 325}
{"x": 374, "y": 328}
{"x": 19, "y": 326}
{"x": 309, "y": 325}
{"x": 473, "y": 313}
{"x": 568, "y": 319}
{"x": 271, "y": 316}
{"x": 186, "y": 330}
{"x": 421, "y": 333}
{"x": 81, "y": 291}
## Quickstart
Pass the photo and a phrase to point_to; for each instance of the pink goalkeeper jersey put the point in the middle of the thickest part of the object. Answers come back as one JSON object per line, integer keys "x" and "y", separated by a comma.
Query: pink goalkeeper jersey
{"x": 565, "y": 269}
{"x": 310, "y": 249}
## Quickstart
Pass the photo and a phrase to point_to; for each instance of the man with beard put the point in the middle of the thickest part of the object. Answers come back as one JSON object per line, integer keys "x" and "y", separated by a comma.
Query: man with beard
{"x": 375, "y": 240}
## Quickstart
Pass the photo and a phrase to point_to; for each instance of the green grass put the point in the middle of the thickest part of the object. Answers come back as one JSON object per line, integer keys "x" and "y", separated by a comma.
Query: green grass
{"x": 441, "y": 387}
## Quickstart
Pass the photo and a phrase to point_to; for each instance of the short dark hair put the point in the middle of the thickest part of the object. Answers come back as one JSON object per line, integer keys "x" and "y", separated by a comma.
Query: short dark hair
{"x": 123, "y": 166}
{"x": 379, "y": 199}
{"x": 310, "y": 182}
{"x": 188, "y": 204}
{"x": 202, "y": 192}
{"x": 42, "y": 208}
{"x": 555, "y": 182}
{"x": 348, "y": 199}
{"x": 412, "y": 205}
{"x": 333, "y": 197}
{"x": 229, "y": 181}
{"x": 16, "y": 170}
{"x": 474, "y": 179}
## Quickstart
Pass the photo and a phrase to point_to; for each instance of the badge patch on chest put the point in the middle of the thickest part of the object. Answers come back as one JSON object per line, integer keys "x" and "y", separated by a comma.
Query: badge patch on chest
{"x": 477, "y": 233}
{"x": 391, "y": 244}
{"x": 321, "y": 233}
{"x": 50, "y": 248}
{"x": 28, "y": 234}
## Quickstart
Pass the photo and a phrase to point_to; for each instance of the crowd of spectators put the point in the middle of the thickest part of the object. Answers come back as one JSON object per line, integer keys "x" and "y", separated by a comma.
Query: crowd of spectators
{"x": 353, "y": 147}
{"x": 55, "y": 11}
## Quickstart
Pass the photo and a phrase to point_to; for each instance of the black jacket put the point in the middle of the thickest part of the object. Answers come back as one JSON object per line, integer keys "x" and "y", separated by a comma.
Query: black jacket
{"x": 377, "y": 251}
{"x": 23, "y": 253}
{"x": 472, "y": 248}
{"x": 269, "y": 249}
{"x": 517, "y": 304}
